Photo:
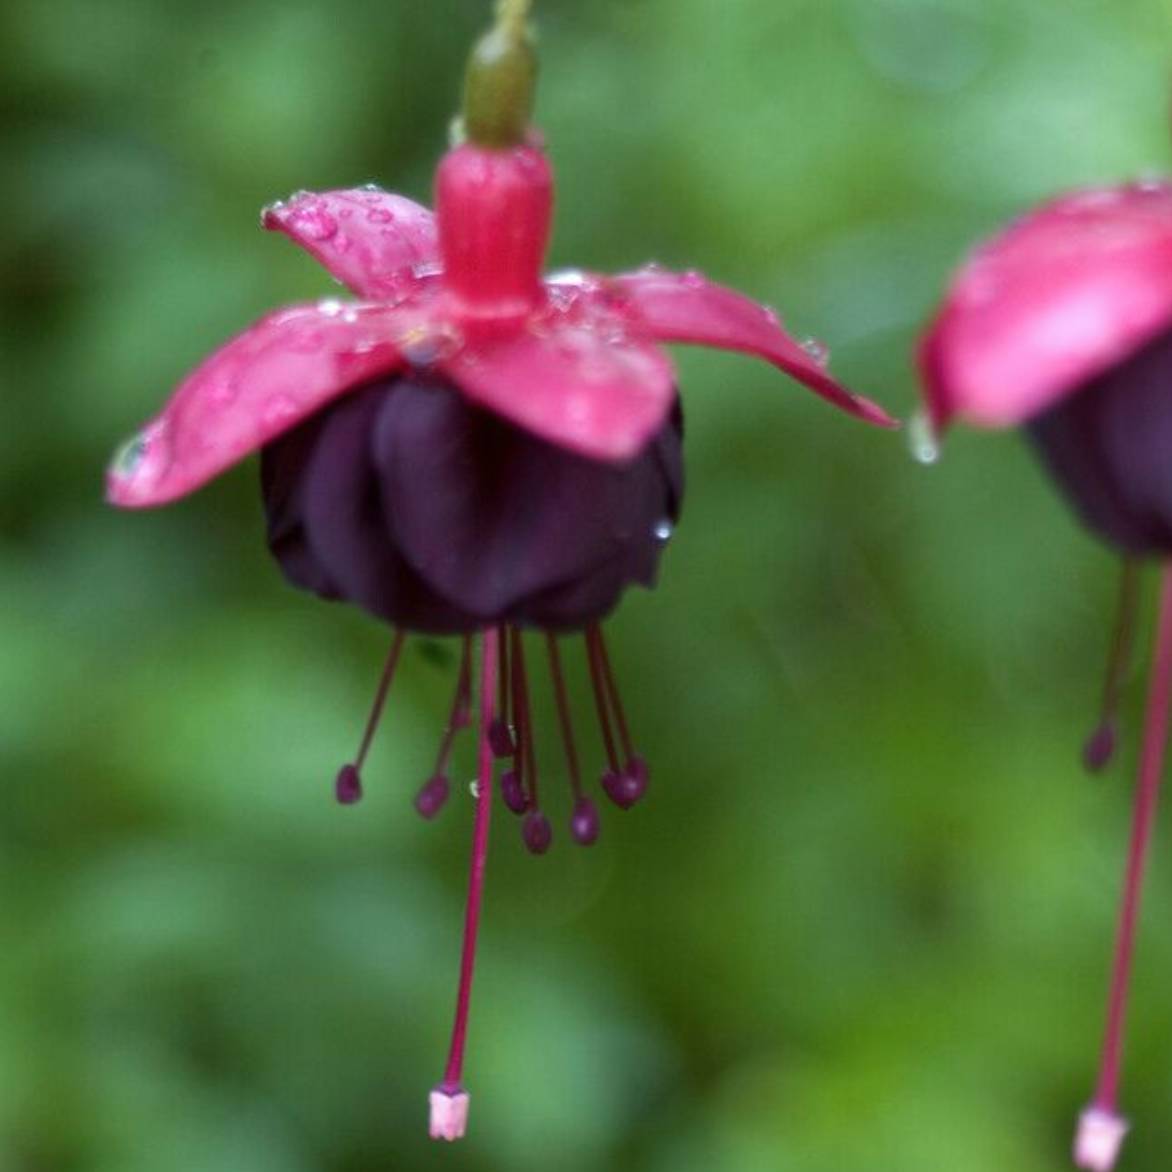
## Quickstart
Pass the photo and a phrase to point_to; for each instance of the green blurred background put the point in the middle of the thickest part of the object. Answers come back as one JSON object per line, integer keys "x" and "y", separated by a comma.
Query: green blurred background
{"x": 862, "y": 921}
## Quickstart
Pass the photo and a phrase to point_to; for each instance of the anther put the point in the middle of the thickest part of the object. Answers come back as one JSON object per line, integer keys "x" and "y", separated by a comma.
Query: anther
{"x": 432, "y": 796}
{"x": 348, "y": 783}
{"x": 584, "y": 822}
{"x": 513, "y": 792}
{"x": 537, "y": 832}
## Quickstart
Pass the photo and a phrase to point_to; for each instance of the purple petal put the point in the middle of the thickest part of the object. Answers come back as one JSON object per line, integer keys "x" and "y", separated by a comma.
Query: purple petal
{"x": 685, "y": 307}
{"x": 368, "y": 239}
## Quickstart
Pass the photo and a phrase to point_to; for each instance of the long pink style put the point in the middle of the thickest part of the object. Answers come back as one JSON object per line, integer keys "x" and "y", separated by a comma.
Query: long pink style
{"x": 1101, "y": 1128}
{"x": 449, "y": 1100}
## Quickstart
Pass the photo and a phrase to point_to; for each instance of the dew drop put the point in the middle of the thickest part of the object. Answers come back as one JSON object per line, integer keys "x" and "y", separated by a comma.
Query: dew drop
{"x": 694, "y": 279}
{"x": 663, "y": 529}
{"x": 278, "y": 410}
{"x": 425, "y": 346}
{"x": 371, "y": 187}
{"x": 128, "y": 458}
{"x": 474, "y": 788}
{"x": 816, "y": 350}
{"x": 923, "y": 440}
{"x": 313, "y": 222}
{"x": 330, "y": 307}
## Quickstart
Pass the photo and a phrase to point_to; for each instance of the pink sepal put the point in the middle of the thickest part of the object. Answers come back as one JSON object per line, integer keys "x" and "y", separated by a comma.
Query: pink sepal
{"x": 572, "y": 385}
{"x": 686, "y": 307}
{"x": 1058, "y": 298}
{"x": 280, "y": 370}
{"x": 369, "y": 239}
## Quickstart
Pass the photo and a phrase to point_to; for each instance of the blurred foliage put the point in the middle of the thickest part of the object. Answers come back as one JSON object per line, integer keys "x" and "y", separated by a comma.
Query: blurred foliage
{"x": 863, "y": 921}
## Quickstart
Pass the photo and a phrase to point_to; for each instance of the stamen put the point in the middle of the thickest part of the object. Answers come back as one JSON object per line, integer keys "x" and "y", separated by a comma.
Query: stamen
{"x": 449, "y": 1100}
{"x": 1100, "y": 745}
{"x": 500, "y": 735}
{"x": 584, "y": 824}
{"x": 434, "y": 793}
{"x": 348, "y": 783}
{"x": 1101, "y": 1129}
{"x": 623, "y": 786}
{"x": 535, "y": 830}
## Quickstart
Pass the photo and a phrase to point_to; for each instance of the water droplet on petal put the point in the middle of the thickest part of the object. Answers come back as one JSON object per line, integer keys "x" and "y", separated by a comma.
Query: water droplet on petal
{"x": 816, "y": 350}
{"x": 694, "y": 279}
{"x": 129, "y": 457}
{"x": 278, "y": 411}
{"x": 330, "y": 307}
{"x": 313, "y": 221}
{"x": 663, "y": 529}
{"x": 426, "y": 345}
{"x": 922, "y": 438}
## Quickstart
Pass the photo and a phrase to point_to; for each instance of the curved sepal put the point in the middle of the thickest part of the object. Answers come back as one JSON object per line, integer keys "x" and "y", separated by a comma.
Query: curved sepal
{"x": 686, "y": 307}
{"x": 1057, "y": 299}
{"x": 264, "y": 381}
{"x": 570, "y": 386}
{"x": 368, "y": 239}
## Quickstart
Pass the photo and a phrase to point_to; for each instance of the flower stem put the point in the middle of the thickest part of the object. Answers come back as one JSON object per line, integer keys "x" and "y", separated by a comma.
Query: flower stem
{"x": 488, "y": 671}
{"x": 1147, "y": 793}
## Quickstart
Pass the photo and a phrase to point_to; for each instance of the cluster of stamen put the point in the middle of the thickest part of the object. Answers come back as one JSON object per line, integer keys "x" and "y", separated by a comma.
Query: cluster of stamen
{"x": 506, "y": 735}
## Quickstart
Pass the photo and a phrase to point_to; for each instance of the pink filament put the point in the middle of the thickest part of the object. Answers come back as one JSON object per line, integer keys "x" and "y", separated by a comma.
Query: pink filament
{"x": 1147, "y": 793}
{"x": 380, "y": 697}
{"x": 563, "y": 706}
{"x": 488, "y": 678}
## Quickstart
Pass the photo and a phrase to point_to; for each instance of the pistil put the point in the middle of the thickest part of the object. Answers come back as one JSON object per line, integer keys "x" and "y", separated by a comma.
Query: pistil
{"x": 1101, "y": 1129}
{"x": 449, "y": 1101}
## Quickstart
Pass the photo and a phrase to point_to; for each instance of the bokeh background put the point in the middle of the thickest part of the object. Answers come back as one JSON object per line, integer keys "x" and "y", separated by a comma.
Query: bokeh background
{"x": 862, "y": 920}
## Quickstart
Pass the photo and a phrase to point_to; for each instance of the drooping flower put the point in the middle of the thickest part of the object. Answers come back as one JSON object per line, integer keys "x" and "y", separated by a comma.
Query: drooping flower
{"x": 468, "y": 449}
{"x": 1063, "y": 325}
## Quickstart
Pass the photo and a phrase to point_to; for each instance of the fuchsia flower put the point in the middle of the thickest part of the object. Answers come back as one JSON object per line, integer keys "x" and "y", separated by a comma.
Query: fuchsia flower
{"x": 467, "y": 448}
{"x": 1063, "y": 324}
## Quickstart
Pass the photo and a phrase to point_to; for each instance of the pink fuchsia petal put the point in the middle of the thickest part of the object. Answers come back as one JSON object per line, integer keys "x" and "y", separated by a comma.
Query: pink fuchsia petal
{"x": 686, "y": 307}
{"x": 263, "y": 382}
{"x": 589, "y": 391}
{"x": 1058, "y": 298}
{"x": 368, "y": 239}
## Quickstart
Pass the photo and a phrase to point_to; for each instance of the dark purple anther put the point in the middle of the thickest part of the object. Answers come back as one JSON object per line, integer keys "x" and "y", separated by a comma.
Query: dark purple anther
{"x": 500, "y": 739}
{"x": 513, "y": 792}
{"x": 429, "y": 801}
{"x": 584, "y": 824}
{"x": 627, "y": 787}
{"x": 1099, "y": 748}
{"x": 537, "y": 832}
{"x": 348, "y": 786}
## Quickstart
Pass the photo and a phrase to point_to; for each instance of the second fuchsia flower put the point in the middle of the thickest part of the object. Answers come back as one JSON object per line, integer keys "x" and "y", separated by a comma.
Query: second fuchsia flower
{"x": 1063, "y": 325}
{"x": 469, "y": 448}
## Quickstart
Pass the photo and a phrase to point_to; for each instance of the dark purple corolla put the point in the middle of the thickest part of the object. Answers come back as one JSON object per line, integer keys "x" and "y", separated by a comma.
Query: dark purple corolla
{"x": 468, "y": 449}
{"x": 1063, "y": 325}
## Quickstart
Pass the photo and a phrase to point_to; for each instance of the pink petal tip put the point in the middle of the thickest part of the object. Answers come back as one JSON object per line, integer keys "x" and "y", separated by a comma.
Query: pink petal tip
{"x": 449, "y": 1114}
{"x": 1098, "y": 1139}
{"x": 1056, "y": 299}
